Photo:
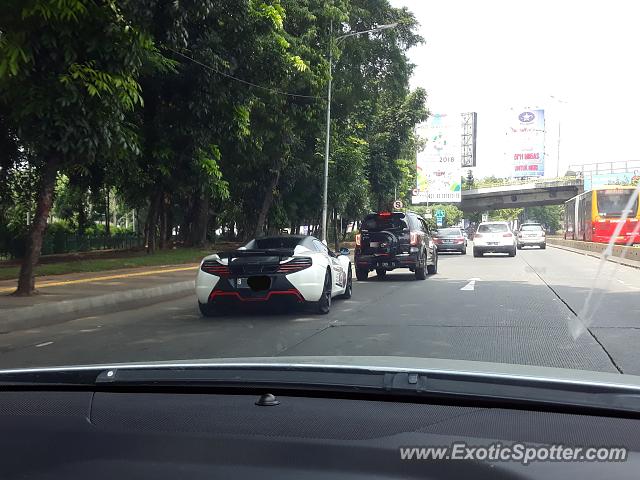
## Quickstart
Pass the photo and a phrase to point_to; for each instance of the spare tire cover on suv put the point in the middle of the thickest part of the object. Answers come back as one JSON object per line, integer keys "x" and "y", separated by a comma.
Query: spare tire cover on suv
{"x": 382, "y": 234}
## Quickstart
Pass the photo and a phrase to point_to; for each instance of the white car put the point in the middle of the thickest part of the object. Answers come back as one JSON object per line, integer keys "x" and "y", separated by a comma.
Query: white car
{"x": 494, "y": 237}
{"x": 296, "y": 269}
{"x": 531, "y": 234}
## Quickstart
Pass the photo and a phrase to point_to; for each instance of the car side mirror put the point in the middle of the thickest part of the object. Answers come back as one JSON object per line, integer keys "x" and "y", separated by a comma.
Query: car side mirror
{"x": 344, "y": 251}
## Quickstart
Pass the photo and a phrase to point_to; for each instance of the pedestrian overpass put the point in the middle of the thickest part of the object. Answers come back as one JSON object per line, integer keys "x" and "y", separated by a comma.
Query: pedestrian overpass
{"x": 552, "y": 191}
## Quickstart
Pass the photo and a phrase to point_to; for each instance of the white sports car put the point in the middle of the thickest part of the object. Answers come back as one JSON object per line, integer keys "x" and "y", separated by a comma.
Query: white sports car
{"x": 288, "y": 268}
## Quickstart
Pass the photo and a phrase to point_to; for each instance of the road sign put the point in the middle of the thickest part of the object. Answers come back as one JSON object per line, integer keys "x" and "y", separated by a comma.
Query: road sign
{"x": 485, "y": 217}
{"x": 440, "y": 214}
{"x": 428, "y": 211}
{"x": 397, "y": 205}
{"x": 438, "y": 221}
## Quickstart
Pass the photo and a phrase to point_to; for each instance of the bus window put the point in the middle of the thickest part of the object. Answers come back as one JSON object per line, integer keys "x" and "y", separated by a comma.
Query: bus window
{"x": 611, "y": 203}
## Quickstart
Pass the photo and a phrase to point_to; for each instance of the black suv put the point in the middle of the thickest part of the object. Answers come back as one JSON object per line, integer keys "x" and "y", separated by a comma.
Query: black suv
{"x": 390, "y": 240}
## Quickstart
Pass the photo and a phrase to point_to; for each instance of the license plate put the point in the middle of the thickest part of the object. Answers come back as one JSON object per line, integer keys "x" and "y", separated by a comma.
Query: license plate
{"x": 492, "y": 243}
{"x": 242, "y": 283}
{"x": 373, "y": 244}
{"x": 386, "y": 264}
{"x": 448, "y": 241}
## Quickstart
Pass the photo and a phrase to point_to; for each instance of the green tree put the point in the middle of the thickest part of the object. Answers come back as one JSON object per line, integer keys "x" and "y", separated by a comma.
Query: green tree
{"x": 505, "y": 214}
{"x": 469, "y": 181}
{"x": 550, "y": 216}
{"x": 68, "y": 75}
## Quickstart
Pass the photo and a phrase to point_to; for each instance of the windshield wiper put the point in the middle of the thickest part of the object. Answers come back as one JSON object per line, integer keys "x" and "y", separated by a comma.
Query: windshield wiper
{"x": 462, "y": 388}
{"x": 453, "y": 387}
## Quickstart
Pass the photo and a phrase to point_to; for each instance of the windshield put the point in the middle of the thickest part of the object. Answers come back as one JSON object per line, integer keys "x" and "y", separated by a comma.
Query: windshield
{"x": 449, "y": 232}
{"x": 273, "y": 242}
{"x": 377, "y": 223}
{"x": 493, "y": 228}
{"x": 150, "y": 151}
{"x": 612, "y": 203}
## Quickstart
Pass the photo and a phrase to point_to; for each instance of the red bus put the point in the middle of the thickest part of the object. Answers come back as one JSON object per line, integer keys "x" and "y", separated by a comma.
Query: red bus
{"x": 594, "y": 215}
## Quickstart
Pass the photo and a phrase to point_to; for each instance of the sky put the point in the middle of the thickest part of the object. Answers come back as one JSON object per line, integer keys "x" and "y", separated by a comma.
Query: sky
{"x": 493, "y": 55}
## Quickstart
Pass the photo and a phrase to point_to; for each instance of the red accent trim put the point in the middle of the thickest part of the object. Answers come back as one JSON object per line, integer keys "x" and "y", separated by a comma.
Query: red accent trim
{"x": 222, "y": 293}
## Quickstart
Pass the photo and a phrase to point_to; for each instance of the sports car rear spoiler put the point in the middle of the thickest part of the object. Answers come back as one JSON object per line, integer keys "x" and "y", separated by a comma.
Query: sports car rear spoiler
{"x": 267, "y": 252}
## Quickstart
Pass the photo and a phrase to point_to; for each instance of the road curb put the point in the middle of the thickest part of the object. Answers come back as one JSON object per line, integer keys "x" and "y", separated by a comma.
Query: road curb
{"x": 58, "y": 312}
{"x": 618, "y": 260}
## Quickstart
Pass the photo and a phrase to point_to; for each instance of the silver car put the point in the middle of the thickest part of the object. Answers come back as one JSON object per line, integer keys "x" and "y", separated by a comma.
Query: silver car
{"x": 531, "y": 234}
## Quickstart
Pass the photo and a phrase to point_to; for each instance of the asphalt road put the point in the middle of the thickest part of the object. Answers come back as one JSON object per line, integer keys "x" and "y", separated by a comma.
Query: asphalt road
{"x": 517, "y": 310}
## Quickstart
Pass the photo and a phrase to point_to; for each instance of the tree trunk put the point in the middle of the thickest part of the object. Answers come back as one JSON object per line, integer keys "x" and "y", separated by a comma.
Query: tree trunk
{"x": 107, "y": 229}
{"x": 26, "y": 280}
{"x": 203, "y": 221}
{"x": 170, "y": 228}
{"x": 336, "y": 245}
{"x": 152, "y": 221}
{"x": 163, "y": 221}
{"x": 82, "y": 219}
{"x": 200, "y": 224}
{"x": 266, "y": 203}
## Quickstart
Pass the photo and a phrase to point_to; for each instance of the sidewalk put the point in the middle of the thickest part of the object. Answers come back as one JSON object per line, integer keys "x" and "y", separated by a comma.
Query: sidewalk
{"x": 62, "y": 296}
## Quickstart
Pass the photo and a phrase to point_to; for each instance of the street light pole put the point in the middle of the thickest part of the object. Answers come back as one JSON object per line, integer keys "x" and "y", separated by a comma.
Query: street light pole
{"x": 558, "y": 161}
{"x": 559, "y": 130}
{"x": 325, "y": 189}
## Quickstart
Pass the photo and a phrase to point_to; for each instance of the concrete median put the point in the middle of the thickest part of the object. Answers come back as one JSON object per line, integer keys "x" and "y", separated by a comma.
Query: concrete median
{"x": 624, "y": 255}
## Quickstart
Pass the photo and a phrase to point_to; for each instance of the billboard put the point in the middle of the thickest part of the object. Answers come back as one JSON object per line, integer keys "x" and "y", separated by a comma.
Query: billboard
{"x": 439, "y": 170}
{"x": 525, "y": 142}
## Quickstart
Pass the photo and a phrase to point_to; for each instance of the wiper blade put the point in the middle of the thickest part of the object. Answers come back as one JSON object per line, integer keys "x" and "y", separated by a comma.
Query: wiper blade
{"x": 466, "y": 388}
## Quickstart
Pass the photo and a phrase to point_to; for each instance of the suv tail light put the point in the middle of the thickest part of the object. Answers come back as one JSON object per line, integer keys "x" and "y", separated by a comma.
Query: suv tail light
{"x": 358, "y": 240}
{"x": 414, "y": 238}
{"x": 507, "y": 235}
{"x": 215, "y": 268}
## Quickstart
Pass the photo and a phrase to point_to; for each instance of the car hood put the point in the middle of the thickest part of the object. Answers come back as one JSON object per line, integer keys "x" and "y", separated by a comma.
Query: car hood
{"x": 385, "y": 363}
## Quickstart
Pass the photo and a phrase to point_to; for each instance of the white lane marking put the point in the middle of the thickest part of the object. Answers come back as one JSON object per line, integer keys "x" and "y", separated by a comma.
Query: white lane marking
{"x": 43, "y": 344}
{"x": 471, "y": 285}
{"x": 632, "y": 287}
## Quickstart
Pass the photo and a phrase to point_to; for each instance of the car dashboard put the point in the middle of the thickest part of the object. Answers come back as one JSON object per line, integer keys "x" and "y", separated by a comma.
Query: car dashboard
{"x": 170, "y": 434}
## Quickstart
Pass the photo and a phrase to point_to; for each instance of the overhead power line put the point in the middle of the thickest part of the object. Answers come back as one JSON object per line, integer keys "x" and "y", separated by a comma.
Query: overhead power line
{"x": 240, "y": 80}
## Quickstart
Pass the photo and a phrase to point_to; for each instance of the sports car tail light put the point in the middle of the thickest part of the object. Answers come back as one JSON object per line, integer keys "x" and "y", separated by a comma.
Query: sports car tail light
{"x": 507, "y": 235}
{"x": 414, "y": 238}
{"x": 215, "y": 268}
{"x": 295, "y": 265}
{"x": 358, "y": 240}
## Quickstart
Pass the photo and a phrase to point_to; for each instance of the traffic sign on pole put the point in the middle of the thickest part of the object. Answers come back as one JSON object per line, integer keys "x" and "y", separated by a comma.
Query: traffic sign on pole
{"x": 397, "y": 204}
